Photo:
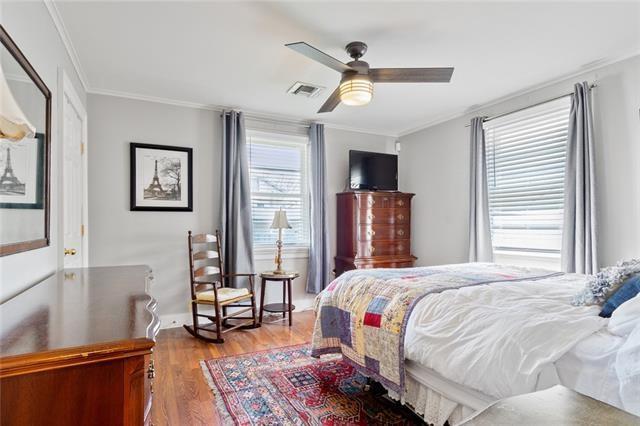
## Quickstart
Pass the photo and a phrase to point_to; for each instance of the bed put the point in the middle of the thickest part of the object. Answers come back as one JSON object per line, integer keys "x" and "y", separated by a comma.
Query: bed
{"x": 467, "y": 335}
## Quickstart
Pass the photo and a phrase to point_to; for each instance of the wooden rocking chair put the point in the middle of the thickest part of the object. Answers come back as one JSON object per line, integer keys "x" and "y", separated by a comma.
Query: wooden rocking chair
{"x": 209, "y": 287}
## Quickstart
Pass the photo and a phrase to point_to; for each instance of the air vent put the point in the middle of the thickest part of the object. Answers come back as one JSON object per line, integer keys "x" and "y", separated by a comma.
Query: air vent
{"x": 304, "y": 89}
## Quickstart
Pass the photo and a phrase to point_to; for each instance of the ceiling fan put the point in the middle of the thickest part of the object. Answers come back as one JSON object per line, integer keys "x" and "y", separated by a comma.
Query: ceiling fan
{"x": 356, "y": 85}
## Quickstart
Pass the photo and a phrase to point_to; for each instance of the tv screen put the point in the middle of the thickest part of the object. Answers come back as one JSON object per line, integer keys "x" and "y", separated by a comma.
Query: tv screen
{"x": 373, "y": 171}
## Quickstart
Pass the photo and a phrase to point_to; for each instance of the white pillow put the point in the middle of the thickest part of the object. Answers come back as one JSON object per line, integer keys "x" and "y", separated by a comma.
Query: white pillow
{"x": 626, "y": 317}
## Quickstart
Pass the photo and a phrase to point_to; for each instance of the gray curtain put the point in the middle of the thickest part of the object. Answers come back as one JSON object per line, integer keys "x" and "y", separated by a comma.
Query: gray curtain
{"x": 235, "y": 196}
{"x": 480, "y": 249}
{"x": 319, "y": 269}
{"x": 579, "y": 253}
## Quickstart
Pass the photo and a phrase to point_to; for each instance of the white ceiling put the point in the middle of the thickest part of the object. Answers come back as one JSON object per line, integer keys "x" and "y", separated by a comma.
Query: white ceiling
{"x": 232, "y": 54}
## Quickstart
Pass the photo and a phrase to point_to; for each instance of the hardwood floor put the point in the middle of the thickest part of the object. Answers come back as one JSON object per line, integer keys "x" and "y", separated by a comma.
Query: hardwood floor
{"x": 181, "y": 395}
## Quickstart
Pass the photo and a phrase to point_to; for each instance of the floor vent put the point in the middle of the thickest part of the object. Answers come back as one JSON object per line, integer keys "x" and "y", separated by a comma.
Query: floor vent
{"x": 304, "y": 89}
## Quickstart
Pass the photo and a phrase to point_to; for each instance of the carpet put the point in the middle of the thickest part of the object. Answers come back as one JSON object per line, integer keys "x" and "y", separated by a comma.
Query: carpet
{"x": 285, "y": 386}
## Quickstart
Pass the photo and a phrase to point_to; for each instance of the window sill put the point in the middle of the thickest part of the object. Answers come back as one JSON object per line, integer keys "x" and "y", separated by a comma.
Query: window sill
{"x": 269, "y": 253}
{"x": 539, "y": 260}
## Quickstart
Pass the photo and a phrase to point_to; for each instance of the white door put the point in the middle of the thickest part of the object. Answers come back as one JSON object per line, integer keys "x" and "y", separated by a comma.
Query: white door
{"x": 74, "y": 179}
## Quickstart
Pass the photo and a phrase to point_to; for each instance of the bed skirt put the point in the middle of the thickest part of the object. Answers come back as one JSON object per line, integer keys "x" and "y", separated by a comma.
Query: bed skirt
{"x": 436, "y": 399}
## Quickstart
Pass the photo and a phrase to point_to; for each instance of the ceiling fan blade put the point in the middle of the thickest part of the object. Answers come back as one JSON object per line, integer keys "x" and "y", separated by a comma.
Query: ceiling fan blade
{"x": 319, "y": 56}
{"x": 411, "y": 75}
{"x": 332, "y": 102}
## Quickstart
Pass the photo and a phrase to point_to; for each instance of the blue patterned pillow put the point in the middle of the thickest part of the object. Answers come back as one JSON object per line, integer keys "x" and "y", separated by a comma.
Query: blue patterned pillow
{"x": 629, "y": 289}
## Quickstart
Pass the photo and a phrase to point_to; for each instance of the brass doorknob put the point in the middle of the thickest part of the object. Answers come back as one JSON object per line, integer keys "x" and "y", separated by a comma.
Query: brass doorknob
{"x": 71, "y": 252}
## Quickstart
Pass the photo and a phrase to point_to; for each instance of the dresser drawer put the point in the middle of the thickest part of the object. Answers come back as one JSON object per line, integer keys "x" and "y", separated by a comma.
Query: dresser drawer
{"x": 376, "y": 231}
{"x": 385, "y": 216}
{"x": 366, "y": 201}
{"x": 383, "y": 248}
{"x": 382, "y": 200}
{"x": 400, "y": 202}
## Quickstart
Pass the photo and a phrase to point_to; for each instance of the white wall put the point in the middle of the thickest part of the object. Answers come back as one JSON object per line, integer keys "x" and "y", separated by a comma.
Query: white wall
{"x": 31, "y": 27}
{"x": 434, "y": 163}
{"x": 119, "y": 236}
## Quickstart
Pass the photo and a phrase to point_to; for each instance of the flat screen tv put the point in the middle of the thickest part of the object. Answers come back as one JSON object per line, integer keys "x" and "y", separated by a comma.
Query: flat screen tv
{"x": 373, "y": 171}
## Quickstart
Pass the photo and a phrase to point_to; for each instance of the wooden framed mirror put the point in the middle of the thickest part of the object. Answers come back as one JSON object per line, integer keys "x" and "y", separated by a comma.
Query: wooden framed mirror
{"x": 25, "y": 152}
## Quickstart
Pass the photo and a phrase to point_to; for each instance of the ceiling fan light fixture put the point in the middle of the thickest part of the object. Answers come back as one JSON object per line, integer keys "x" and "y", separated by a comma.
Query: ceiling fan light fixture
{"x": 356, "y": 90}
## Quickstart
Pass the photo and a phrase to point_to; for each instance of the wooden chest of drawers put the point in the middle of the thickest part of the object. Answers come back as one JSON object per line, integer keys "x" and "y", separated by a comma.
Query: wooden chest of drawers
{"x": 374, "y": 230}
{"x": 76, "y": 349}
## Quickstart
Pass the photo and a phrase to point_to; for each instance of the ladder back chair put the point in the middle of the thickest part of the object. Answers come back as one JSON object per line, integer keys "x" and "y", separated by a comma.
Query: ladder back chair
{"x": 209, "y": 286}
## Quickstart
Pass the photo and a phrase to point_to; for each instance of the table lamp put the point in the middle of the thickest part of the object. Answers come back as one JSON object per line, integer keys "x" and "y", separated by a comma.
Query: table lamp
{"x": 280, "y": 222}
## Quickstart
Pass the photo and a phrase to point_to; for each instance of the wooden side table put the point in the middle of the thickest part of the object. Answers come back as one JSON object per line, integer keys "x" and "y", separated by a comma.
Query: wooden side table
{"x": 286, "y": 305}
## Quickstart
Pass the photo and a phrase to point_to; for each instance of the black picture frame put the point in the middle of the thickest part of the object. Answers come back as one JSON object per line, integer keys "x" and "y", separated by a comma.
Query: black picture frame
{"x": 134, "y": 202}
{"x": 39, "y": 204}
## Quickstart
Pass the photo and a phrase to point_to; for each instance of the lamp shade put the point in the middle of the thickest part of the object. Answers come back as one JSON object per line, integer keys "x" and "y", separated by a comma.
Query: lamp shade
{"x": 356, "y": 89}
{"x": 280, "y": 220}
{"x": 13, "y": 123}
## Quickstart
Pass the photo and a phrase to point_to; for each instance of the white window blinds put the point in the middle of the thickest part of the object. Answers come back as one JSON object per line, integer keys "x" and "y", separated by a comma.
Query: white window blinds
{"x": 278, "y": 172}
{"x": 526, "y": 153}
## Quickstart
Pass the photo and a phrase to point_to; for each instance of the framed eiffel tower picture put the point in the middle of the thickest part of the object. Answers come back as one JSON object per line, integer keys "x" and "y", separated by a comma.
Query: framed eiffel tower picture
{"x": 161, "y": 177}
{"x": 22, "y": 173}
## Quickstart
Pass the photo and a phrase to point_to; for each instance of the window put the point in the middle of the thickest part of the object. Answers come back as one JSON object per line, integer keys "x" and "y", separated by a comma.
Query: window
{"x": 278, "y": 171}
{"x": 526, "y": 153}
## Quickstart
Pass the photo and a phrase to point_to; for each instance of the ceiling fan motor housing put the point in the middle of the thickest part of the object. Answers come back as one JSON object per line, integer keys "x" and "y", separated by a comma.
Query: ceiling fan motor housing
{"x": 356, "y": 49}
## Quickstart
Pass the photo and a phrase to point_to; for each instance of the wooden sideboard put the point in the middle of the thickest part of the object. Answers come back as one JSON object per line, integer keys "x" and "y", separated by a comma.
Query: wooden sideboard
{"x": 374, "y": 230}
{"x": 76, "y": 349}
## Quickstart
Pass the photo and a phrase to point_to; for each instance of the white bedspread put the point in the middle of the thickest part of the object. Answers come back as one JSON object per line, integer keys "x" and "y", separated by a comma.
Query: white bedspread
{"x": 497, "y": 338}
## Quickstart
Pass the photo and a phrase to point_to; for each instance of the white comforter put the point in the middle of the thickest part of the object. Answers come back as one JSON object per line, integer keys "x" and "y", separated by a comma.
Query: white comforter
{"x": 497, "y": 338}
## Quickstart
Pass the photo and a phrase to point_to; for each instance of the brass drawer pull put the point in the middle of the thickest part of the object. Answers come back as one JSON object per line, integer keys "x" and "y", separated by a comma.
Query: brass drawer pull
{"x": 371, "y": 217}
{"x": 400, "y": 203}
{"x": 372, "y": 233}
{"x": 400, "y": 216}
{"x": 373, "y": 250}
{"x": 400, "y": 247}
{"x": 151, "y": 372}
{"x": 401, "y": 232}
{"x": 372, "y": 202}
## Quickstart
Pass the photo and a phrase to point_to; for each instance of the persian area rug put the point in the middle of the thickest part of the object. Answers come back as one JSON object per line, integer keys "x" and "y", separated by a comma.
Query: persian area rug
{"x": 285, "y": 386}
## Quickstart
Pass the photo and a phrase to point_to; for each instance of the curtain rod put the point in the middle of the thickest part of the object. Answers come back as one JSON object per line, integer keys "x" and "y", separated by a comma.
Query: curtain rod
{"x": 591, "y": 86}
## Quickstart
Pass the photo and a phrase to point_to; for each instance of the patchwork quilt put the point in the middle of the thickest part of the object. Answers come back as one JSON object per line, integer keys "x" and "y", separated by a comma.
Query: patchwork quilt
{"x": 363, "y": 314}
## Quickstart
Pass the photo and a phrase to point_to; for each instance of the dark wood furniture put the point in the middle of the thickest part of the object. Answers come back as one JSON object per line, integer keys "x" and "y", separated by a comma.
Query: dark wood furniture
{"x": 287, "y": 305}
{"x": 76, "y": 349}
{"x": 210, "y": 285}
{"x": 554, "y": 406}
{"x": 374, "y": 230}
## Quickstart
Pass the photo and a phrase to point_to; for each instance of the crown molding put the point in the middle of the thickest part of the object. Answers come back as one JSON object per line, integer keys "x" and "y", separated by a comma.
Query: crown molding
{"x": 513, "y": 95}
{"x": 357, "y": 130}
{"x": 66, "y": 40}
{"x": 154, "y": 99}
{"x": 250, "y": 114}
